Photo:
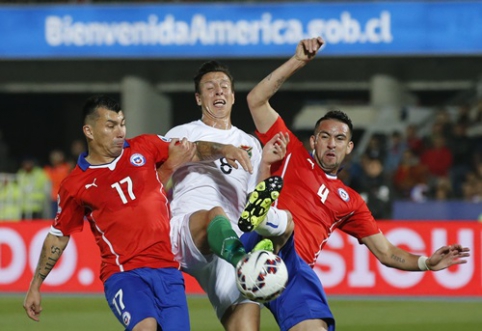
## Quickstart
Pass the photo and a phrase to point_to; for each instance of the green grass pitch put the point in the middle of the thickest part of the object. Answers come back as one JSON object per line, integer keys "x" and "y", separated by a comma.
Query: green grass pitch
{"x": 72, "y": 313}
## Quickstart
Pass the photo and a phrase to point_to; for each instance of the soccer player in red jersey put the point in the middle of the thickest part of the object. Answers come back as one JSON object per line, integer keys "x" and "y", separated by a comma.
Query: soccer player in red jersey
{"x": 319, "y": 202}
{"x": 116, "y": 188}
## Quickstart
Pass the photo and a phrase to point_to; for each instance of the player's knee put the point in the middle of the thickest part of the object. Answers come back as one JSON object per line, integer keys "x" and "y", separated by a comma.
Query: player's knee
{"x": 215, "y": 211}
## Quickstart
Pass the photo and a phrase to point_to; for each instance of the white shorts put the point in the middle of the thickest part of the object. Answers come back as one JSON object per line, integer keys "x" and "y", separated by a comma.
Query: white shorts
{"x": 215, "y": 275}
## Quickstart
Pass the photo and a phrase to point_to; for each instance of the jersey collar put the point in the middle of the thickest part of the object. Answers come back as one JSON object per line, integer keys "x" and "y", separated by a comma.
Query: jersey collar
{"x": 84, "y": 164}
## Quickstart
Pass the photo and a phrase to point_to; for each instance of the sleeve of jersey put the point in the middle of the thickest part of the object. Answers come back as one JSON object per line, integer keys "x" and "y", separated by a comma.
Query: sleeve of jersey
{"x": 157, "y": 145}
{"x": 70, "y": 215}
{"x": 361, "y": 224}
{"x": 177, "y": 132}
{"x": 277, "y": 127}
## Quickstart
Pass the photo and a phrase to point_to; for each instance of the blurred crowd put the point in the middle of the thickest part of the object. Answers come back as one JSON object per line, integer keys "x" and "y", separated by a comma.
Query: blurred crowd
{"x": 443, "y": 164}
{"x": 31, "y": 192}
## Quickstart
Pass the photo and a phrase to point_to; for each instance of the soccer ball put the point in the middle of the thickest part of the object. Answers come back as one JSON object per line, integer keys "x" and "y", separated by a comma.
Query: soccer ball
{"x": 261, "y": 276}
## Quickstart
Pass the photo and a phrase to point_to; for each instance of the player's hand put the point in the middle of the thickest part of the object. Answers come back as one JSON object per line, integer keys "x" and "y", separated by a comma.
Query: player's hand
{"x": 32, "y": 305}
{"x": 235, "y": 155}
{"x": 180, "y": 151}
{"x": 307, "y": 49}
{"x": 447, "y": 256}
{"x": 275, "y": 149}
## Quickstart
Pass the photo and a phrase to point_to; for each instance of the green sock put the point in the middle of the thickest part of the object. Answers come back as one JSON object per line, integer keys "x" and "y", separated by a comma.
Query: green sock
{"x": 224, "y": 242}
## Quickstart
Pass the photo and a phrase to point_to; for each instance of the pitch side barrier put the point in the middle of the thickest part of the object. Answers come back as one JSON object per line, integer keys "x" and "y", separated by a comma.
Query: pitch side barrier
{"x": 372, "y": 28}
{"x": 345, "y": 266}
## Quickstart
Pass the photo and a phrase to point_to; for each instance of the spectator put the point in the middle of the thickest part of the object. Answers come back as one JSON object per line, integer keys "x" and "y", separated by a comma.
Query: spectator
{"x": 374, "y": 188}
{"x": 437, "y": 158}
{"x": 56, "y": 172}
{"x": 414, "y": 142}
{"x": 396, "y": 147}
{"x": 443, "y": 189}
{"x": 375, "y": 148}
{"x": 409, "y": 174}
{"x": 9, "y": 198}
{"x": 462, "y": 151}
{"x": 77, "y": 147}
{"x": 34, "y": 189}
{"x": 472, "y": 187}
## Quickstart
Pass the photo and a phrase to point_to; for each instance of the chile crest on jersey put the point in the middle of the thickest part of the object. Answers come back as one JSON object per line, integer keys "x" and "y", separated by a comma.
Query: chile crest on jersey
{"x": 138, "y": 160}
{"x": 343, "y": 194}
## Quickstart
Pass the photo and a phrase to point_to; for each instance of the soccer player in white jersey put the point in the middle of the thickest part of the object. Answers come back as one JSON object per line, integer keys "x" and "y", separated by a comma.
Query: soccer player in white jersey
{"x": 210, "y": 196}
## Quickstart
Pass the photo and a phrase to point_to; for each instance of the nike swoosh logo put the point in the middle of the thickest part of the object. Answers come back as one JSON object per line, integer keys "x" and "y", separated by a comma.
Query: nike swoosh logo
{"x": 259, "y": 256}
{"x": 274, "y": 226}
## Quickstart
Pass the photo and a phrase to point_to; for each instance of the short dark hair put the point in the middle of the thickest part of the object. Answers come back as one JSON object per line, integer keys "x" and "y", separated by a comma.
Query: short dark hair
{"x": 336, "y": 114}
{"x": 211, "y": 66}
{"x": 99, "y": 101}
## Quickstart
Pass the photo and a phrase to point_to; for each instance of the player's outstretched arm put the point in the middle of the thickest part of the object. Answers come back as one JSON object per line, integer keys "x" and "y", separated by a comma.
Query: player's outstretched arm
{"x": 52, "y": 249}
{"x": 395, "y": 257}
{"x": 258, "y": 99}
{"x": 274, "y": 151}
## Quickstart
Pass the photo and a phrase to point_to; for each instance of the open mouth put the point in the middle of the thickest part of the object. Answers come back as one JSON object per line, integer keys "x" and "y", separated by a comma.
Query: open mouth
{"x": 219, "y": 103}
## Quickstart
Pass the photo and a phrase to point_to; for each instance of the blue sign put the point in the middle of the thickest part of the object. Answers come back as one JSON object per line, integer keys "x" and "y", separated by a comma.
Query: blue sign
{"x": 239, "y": 30}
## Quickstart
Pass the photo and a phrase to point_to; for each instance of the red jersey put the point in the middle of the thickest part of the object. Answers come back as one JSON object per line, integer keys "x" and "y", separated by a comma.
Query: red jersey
{"x": 319, "y": 202}
{"x": 125, "y": 204}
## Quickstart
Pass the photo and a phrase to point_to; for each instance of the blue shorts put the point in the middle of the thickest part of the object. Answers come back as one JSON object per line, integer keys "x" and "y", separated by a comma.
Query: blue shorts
{"x": 304, "y": 297}
{"x": 145, "y": 292}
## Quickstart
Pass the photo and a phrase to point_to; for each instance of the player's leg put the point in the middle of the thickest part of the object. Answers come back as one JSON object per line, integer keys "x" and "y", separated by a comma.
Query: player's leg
{"x": 303, "y": 304}
{"x": 148, "y": 324}
{"x": 259, "y": 202}
{"x": 277, "y": 226}
{"x": 213, "y": 228}
{"x": 135, "y": 304}
{"x": 242, "y": 317}
{"x": 311, "y": 325}
{"x": 215, "y": 275}
{"x": 217, "y": 279}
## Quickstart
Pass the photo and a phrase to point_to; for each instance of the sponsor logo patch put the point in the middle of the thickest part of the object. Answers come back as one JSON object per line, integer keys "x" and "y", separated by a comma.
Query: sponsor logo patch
{"x": 248, "y": 149}
{"x": 126, "y": 318}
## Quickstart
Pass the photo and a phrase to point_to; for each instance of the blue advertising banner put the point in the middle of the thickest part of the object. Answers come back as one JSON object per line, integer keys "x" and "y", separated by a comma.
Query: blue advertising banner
{"x": 239, "y": 30}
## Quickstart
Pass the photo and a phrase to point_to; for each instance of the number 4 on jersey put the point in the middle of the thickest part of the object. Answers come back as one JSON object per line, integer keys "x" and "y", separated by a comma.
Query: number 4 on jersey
{"x": 323, "y": 193}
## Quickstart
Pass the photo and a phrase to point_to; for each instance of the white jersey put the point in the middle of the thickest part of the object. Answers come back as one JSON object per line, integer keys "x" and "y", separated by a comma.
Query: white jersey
{"x": 202, "y": 186}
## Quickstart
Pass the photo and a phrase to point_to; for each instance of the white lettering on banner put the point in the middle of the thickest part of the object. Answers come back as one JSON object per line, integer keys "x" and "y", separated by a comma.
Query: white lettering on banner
{"x": 414, "y": 243}
{"x": 361, "y": 276}
{"x": 456, "y": 277}
{"x": 64, "y": 269}
{"x": 10, "y": 273}
{"x": 332, "y": 267}
{"x": 63, "y": 31}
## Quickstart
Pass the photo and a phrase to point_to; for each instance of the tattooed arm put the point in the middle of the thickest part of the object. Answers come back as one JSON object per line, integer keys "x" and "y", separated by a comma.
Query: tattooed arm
{"x": 206, "y": 150}
{"x": 52, "y": 249}
{"x": 258, "y": 99}
{"x": 395, "y": 257}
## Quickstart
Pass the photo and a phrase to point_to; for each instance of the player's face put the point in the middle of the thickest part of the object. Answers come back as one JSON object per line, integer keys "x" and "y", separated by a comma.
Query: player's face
{"x": 108, "y": 132}
{"x": 331, "y": 144}
{"x": 216, "y": 97}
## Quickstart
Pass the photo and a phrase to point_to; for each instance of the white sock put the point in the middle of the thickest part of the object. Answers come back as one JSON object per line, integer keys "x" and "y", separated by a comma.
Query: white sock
{"x": 274, "y": 224}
